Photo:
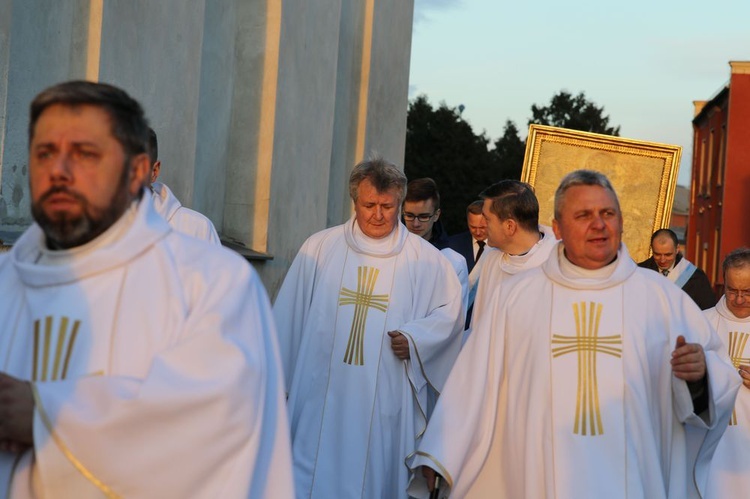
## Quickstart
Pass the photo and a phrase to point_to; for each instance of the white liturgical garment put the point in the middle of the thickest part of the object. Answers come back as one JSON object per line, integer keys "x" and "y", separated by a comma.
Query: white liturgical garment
{"x": 565, "y": 389}
{"x": 180, "y": 218}
{"x": 154, "y": 368}
{"x": 729, "y": 475}
{"x": 356, "y": 410}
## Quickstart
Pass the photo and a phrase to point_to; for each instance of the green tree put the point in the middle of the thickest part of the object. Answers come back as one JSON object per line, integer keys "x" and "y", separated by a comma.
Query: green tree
{"x": 440, "y": 144}
{"x": 576, "y": 113}
{"x": 509, "y": 152}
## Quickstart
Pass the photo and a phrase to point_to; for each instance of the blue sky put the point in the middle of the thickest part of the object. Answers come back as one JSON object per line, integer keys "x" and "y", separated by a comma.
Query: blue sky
{"x": 644, "y": 61}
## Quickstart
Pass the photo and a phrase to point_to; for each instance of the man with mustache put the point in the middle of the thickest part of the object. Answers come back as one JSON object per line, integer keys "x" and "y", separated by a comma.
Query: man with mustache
{"x": 136, "y": 361}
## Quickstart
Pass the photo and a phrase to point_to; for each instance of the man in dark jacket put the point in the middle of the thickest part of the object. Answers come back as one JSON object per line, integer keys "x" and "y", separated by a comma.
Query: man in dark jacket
{"x": 675, "y": 267}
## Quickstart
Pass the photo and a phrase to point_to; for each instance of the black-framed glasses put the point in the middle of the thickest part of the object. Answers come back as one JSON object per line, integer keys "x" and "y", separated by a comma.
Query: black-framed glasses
{"x": 422, "y": 217}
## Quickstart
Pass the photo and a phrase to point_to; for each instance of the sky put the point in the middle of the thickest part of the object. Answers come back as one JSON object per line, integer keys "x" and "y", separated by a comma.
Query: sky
{"x": 644, "y": 61}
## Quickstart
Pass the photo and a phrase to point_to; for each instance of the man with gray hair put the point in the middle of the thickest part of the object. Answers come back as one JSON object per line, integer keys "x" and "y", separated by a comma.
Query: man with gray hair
{"x": 729, "y": 475}
{"x": 369, "y": 319}
{"x": 580, "y": 378}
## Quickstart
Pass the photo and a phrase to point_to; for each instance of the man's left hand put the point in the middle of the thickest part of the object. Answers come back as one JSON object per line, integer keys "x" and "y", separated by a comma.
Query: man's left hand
{"x": 16, "y": 413}
{"x": 688, "y": 360}
{"x": 399, "y": 344}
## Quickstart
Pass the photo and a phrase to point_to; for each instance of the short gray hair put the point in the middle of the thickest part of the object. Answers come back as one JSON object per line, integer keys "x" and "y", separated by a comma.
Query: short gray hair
{"x": 736, "y": 259}
{"x": 581, "y": 177}
{"x": 383, "y": 175}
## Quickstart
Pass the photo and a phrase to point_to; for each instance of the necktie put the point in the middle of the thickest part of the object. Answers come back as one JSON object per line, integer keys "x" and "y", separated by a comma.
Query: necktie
{"x": 665, "y": 272}
{"x": 481, "y": 249}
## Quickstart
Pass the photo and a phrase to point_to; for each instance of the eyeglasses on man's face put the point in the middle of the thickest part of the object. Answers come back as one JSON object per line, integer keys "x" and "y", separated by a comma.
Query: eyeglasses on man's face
{"x": 733, "y": 294}
{"x": 422, "y": 217}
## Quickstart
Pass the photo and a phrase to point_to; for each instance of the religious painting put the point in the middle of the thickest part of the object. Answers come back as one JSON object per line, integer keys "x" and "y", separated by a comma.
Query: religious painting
{"x": 644, "y": 175}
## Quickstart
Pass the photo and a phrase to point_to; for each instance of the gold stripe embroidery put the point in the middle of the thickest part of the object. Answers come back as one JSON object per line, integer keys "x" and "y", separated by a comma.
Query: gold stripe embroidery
{"x": 71, "y": 343}
{"x": 61, "y": 334}
{"x": 64, "y": 449}
{"x": 363, "y": 299}
{"x": 587, "y": 344}
{"x": 737, "y": 343}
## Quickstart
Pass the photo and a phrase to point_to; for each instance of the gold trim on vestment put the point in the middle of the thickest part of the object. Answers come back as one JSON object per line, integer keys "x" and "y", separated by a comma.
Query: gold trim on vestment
{"x": 587, "y": 343}
{"x": 64, "y": 449}
{"x": 737, "y": 342}
{"x": 363, "y": 299}
{"x": 443, "y": 472}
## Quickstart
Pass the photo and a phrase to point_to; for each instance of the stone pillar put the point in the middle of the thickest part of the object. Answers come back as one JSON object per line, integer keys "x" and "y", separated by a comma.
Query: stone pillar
{"x": 262, "y": 107}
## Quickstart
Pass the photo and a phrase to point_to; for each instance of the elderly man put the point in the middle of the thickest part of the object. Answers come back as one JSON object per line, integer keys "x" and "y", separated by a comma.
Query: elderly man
{"x": 181, "y": 219}
{"x": 138, "y": 362}
{"x": 729, "y": 475}
{"x": 369, "y": 321}
{"x": 511, "y": 211}
{"x": 674, "y": 266}
{"x": 579, "y": 380}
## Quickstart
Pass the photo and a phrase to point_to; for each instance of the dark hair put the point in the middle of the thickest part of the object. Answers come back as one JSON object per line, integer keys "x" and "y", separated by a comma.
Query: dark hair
{"x": 736, "y": 259}
{"x": 153, "y": 146}
{"x": 662, "y": 233}
{"x": 515, "y": 200}
{"x": 422, "y": 189}
{"x": 582, "y": 177}
{"x": 383, "y": 175}
{"x": 129, "y": 124}
{"x": 475, "y": 207}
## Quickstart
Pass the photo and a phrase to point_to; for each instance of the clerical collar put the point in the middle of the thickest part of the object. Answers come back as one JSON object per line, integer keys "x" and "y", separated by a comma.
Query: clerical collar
{"x": 47, "y": 256}
{"x": 541, "y": 236}
{"x": 372, "y": 245}
{"x": 572, "y": 271}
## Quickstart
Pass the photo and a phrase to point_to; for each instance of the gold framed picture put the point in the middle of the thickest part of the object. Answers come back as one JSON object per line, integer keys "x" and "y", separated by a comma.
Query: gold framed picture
{"x": 644, "y": 175}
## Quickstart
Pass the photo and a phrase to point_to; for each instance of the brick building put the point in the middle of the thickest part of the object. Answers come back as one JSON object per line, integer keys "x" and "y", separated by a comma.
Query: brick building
{"x": 719, "y": 207}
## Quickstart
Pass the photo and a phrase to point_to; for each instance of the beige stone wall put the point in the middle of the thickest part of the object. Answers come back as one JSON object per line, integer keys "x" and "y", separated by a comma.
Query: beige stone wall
{"x": 261, "y": 107}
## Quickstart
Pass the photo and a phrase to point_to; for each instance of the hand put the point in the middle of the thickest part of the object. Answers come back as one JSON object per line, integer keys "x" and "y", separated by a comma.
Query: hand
{"x": 688, "y": 360}
{"x": 429, "y": 476}
{"x": 16, "y": 414}
{"x": 399, "y": 344}
{"x": 744, "y": 371}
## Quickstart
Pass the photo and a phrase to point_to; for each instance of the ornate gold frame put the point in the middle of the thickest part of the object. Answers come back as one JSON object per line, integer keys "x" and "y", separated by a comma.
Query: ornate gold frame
{"x": 644, "y": 175}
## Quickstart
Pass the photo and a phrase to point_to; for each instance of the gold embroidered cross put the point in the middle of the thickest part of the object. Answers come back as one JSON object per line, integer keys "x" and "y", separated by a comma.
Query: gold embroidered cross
{"x": 587, "y": 343}
{"x": 363, "y": 300}
{"x": 737, "y": 342}
{"x": 63, "y": 349}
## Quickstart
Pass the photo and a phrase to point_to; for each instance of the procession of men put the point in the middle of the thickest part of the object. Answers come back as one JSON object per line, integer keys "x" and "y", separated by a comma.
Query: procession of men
{"x": 142, "y": 359}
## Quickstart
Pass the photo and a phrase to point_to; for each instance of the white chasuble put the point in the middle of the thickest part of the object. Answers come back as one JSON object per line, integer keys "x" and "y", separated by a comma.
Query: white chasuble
{"x": 360, "y": 340}
{"x": 153, "y": 364}
{"x": 565, "y": 390}
{"x": 587, "y": 392}
{"x": 729, "y": 472}
{"x": 356, "y": 409}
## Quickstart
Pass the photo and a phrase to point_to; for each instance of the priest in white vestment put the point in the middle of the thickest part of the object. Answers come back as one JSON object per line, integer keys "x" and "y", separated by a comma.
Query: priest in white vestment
{"x": 136, "y": 361}
{"x": 579, "y": 380}
{"x": 180, "y": 218}
{"x": 517, "y": 241}
{"x": 369, "y": 321}
{"x": 729, "y": 475}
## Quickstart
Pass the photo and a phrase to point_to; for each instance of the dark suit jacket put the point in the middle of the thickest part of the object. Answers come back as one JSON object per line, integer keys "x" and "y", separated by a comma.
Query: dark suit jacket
{"x": 463, "y": 244}
{"x": 698, "y": 286}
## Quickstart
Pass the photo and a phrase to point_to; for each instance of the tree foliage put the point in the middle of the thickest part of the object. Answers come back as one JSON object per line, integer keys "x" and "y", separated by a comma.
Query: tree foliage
{"x": 576, "y": 113}
{"x": 442, "y": 145}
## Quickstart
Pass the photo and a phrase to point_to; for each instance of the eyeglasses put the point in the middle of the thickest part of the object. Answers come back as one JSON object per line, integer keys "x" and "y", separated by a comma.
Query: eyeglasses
{"x": 733, "y": 294}
{"x": 423, "y": 217}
